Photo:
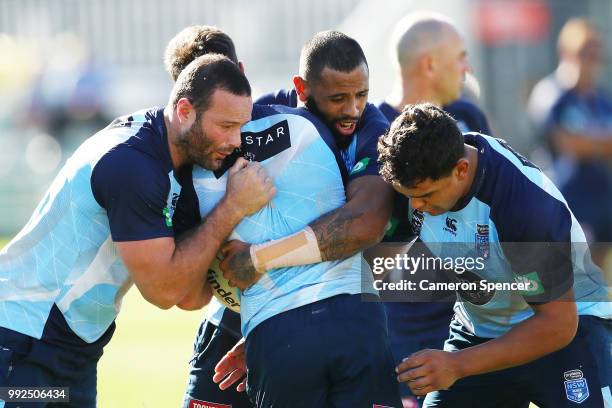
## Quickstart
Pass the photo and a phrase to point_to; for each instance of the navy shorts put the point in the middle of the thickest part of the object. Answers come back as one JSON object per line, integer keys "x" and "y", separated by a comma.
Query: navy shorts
{"x": 331, "y": 353}
{"x": 575, "y": 376}
{"x": 29, "y": 362}
{"x": 210, "y": 346}
{"x": 417, "y": 326}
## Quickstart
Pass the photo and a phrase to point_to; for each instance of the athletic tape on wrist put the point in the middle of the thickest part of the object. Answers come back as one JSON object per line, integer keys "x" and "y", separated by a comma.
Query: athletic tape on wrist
{"x": 300, "y": 248}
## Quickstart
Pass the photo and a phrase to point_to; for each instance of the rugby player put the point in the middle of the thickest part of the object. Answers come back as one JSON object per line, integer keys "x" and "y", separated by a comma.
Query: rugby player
{"x": 107, "y": 222}
{"x": 363, "y": 220}
{"x": 505, "y": 348}
{"x": 431, "y": 65}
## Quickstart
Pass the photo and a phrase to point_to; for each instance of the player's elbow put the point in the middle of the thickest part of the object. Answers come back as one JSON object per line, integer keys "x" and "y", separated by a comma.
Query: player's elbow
{"x": 161, "y": 302}
{"x": 564, "y": 331}
{"x": 372, "y": 228}
{"x": 195, "y": 302}
{"x": 568, "y": 331}
{"x": 164, "y": 299}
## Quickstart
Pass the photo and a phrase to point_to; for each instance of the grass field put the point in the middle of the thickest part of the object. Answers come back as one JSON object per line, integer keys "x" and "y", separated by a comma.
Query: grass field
{"x": 145, "y": 364}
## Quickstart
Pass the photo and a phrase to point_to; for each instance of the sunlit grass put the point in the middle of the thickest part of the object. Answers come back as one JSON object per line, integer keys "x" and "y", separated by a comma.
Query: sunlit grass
{"x": 145, "y": 364}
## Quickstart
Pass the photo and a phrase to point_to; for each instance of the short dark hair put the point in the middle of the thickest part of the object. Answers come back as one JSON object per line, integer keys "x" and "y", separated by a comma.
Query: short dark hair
{"x": 199, "y": 80}
{"x": 423, "y": 142}
{"x": 195, "y": 41}
{"x": 331, "y": 49}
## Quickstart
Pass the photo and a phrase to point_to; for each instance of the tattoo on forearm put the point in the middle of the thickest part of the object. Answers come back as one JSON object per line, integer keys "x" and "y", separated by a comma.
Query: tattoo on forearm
{"x": 243, "y": 267}
{"x": 333, "y": 232}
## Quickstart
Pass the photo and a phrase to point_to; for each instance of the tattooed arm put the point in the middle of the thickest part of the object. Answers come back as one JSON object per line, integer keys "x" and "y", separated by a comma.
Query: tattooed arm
{"x": 340, "y": 233}
{"x": 359, "y": 223}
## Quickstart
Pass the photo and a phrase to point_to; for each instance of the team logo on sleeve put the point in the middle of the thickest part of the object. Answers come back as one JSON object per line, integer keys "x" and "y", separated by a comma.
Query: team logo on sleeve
{"x": 482, "y": 240}
{"x": 576, "y": 387}
{"x": 360, "y": 166}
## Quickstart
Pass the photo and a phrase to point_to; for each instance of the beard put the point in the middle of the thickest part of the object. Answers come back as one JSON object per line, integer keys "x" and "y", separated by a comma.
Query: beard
{"x": 197, "y": 147}
{"x": 342, "y": 141}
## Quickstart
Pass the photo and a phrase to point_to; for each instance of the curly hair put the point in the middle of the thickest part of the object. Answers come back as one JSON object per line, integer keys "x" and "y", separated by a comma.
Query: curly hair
{"x": 195, "y": 41}
{"x": 423, "y": 142}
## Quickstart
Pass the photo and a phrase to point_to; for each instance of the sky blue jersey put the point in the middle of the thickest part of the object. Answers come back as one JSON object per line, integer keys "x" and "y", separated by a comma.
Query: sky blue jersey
{"x": 62, "y": 279}
{"x": 518, "y": 223}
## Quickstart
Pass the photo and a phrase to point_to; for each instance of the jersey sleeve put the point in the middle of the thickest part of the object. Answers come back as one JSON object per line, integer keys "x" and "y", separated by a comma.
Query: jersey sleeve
{"x": 133, "y": 189}
{"x": 366, "y": 156}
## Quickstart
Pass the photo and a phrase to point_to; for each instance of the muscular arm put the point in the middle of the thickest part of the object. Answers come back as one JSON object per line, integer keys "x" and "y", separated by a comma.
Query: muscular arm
{"x": 551, "y": 328}
{"x": 168, "y": 271}
{"x": 359, "y": 223}
{"x": 165, "y": 271}
{"x": 340, "y": 233}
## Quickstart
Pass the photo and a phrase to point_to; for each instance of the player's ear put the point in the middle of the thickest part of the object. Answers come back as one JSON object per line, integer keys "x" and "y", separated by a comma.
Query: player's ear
{"x": 301, "y": 88}
{"x": 427, "y": 65}
{"x": 185, "y": 111}
{"x": 461, "y": 169}
{"x": 241, "y": 66}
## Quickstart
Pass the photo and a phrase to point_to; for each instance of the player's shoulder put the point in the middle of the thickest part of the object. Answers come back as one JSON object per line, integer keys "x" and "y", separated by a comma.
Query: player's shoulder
{"x": 282, "y": 112}
{"x": 287, "y": 97}
{"x": 141, "y": 152}
{"x": 516, "y": 189}
{"x": 373, "y": 122}
{"x": 468, "y": 115}
{"x": 464, "y": 107}
{"x": 388, "y": 111}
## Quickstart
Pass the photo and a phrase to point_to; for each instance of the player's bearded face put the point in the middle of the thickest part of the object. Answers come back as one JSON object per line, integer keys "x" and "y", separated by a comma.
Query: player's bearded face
{"x": 339, "y": 99}
{"x": 215, "y": 133}
{"x": 200, "y": 148}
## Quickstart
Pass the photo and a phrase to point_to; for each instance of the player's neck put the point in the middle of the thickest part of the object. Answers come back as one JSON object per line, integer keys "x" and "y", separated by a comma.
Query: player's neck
{"x": 471, "y": 154}
{"x": 177, "y": 155}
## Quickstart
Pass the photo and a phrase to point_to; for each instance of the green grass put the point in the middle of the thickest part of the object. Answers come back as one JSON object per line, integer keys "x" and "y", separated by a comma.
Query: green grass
{"x": 145, "y": 364}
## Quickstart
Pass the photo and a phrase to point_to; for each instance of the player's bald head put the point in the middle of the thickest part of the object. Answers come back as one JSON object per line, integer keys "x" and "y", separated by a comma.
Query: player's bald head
{"x": 420, "y": 33}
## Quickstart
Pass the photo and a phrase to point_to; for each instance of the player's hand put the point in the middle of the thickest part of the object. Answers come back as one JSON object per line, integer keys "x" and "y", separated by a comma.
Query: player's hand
{"x": 249, "y": 187}
{"x": 237, "y": 265}
{"x": 428, "y": 370}
{"x": 232, "y": 368}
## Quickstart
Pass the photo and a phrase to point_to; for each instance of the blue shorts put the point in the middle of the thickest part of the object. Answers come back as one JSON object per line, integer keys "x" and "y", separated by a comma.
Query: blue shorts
{"x": 576, "y": 375}
{"x": 29, "y": 362}
{"x": 417, "y": 326}
{"x": 331, "y": 353}
{"x": 210, "y": 346}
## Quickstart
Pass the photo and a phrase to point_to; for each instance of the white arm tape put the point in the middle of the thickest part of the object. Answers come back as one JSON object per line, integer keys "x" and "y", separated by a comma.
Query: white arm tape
{"x": 300, "y": 248}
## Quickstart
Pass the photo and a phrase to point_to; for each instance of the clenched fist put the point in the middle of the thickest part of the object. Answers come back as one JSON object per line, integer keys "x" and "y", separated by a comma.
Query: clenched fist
{"x": 249, "y": 187}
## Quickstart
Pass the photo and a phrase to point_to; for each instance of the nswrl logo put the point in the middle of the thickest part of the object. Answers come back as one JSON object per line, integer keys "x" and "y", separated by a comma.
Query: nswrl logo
{"x": 576, "y": 387}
